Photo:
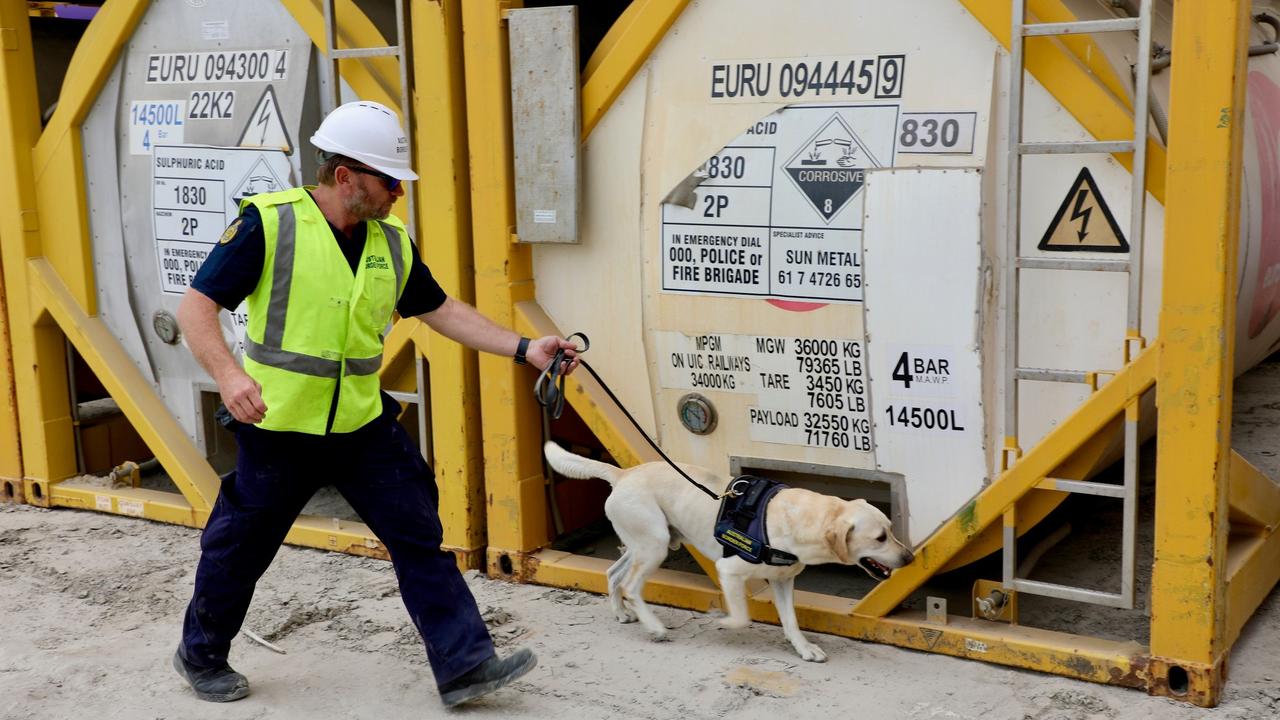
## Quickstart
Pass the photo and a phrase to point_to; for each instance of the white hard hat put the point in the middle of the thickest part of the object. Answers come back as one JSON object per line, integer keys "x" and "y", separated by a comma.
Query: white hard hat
{"x": 370, "y": 133}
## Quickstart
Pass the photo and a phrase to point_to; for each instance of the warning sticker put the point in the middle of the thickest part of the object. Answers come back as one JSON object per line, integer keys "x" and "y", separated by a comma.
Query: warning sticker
{"x": 1084, "y": 222}
{"x": 808, "y": 391}
{"x": 830, "y": 167}
{"x": 195, "y": 194}
{"x": 265, "y": 127}
{"x": 751, "y": 234}
{"x": 154, "y": 123}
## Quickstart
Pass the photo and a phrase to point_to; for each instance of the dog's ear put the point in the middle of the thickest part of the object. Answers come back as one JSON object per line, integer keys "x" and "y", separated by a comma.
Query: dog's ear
{"x": 838, "y": 539}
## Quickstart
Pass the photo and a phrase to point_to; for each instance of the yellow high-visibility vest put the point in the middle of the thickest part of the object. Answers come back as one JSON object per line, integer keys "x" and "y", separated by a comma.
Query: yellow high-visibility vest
{"x": 313, "y": 325}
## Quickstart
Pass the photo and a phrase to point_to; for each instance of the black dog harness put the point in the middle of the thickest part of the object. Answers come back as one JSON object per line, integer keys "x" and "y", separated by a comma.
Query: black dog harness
{"x": 740, "y": 525}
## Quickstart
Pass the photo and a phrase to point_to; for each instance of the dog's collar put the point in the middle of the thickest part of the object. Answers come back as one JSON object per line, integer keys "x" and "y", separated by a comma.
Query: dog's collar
{"x": 740, "y": 524}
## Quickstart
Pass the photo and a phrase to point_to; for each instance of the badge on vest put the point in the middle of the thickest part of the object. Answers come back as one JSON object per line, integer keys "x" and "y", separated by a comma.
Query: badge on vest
{"x": 740, "y": 524}
{"x": 230, "y": 232}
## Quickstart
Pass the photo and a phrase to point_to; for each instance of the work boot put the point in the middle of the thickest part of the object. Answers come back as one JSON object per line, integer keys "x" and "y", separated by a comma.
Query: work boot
{"x": 220, "y": 684}
{"x": 487, "y": 677}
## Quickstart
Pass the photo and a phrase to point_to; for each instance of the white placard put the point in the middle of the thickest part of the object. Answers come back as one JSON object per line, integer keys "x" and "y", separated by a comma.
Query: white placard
{"x": 217, "y": 67}
{"x": 862, "y": 77}
{"x": 923, "y": 319}
{"x": 215, "y": 30}
{"x": 779, "y": 213}
{"x": 949, "y": 133}
{"x": 808, "y": 391}
{"x": 211, "y": 105}
{"x": 196, "y": 192}
{"x": 153, "y": 122}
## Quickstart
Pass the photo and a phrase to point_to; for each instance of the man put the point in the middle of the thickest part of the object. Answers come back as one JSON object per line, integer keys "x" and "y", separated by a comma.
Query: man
{"x": 322, "y": 268}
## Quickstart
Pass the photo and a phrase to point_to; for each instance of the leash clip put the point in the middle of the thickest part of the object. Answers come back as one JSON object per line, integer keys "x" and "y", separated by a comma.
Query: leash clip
{"x": 733, "y": 490}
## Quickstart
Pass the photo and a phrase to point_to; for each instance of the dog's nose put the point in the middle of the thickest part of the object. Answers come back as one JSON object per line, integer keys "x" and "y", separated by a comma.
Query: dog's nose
{"x": 907, "y": 557}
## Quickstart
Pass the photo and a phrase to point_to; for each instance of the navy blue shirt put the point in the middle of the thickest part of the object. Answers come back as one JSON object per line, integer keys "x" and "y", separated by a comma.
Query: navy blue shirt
{"x": 233, "y": 268}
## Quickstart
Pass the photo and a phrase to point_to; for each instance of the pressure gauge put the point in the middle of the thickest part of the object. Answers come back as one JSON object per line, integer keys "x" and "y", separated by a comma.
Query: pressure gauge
{"x": 697, "y": 414}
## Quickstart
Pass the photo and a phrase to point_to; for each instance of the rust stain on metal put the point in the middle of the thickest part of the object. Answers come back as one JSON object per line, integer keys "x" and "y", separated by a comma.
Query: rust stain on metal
{"x": 1138, "y": 676}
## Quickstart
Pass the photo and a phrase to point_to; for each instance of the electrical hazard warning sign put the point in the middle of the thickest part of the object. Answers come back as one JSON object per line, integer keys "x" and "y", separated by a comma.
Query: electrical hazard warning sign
{"x": 752, "y": 233}
{"x": 265, "y": 127}
{"x": 1083, "y": 222}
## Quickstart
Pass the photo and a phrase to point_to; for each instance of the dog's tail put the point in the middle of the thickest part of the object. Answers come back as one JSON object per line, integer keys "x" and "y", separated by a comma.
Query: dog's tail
{"x": 576, "y": 466}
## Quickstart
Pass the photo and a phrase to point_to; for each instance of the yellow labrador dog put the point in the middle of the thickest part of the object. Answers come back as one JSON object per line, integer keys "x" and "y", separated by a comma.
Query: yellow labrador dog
{"x": 653, "y": 509}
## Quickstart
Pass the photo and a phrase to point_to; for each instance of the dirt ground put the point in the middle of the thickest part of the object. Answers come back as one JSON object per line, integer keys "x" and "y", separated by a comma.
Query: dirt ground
{"x": 92, "y": 608}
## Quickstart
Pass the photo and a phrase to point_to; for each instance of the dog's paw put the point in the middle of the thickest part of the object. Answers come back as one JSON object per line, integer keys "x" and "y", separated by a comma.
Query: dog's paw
{"x": 811, "y": 652}
{"x": 658, "y": 634}
{"x": 730, "y": 622}
{"x": 625, "y": 615}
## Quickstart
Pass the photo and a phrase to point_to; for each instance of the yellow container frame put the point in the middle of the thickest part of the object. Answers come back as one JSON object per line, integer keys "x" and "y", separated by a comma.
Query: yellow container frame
{"x": 49, "y": 292}
{"x": 1205, "y": 584}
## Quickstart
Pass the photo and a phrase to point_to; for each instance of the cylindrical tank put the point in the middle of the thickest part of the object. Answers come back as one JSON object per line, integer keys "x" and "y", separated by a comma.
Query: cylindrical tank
{"x": 793, "y": 242}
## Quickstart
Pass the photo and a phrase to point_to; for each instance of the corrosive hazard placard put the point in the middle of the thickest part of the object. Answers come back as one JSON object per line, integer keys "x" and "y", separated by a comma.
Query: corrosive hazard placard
{"x": 196, "y": 191}
{"x": 778, "y": 212}
{"x": 1084, "y": 222}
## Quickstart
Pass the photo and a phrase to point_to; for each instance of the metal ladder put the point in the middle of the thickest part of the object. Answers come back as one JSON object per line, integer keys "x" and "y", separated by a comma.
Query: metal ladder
{"x": 331, "y": 84}
{"x": 1014, "y": 372}
{"x": 330, "y": 98}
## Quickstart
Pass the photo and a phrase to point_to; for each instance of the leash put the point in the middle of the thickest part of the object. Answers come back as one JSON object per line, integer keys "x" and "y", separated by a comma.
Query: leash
{"x": 549, "y": 391}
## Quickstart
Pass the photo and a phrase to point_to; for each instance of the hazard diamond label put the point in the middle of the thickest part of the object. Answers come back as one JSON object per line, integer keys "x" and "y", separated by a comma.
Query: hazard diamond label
{"x": 1084, "y": 222}
{"x": 260, "y": 179}
{"x": 830, "y": 167}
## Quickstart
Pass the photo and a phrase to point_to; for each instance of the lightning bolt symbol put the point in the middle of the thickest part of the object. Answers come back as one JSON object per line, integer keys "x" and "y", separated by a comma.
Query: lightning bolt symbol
{"x": 1083, "y": 214}
{"x": 266, "y": 117}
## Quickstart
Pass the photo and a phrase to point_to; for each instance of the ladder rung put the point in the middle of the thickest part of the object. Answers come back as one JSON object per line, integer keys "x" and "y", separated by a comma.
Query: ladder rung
{"x": 1067, "y": 592}
{"x": 1047, "y": 263}
{"x": 1082, "y": 487}
{"x": 1047, "y": 375}
{"x": 1080, "y": 27}
{"x": 408, "y": 397}
{"x": 390, "y": 50}
{"x": 1086, "y": 146}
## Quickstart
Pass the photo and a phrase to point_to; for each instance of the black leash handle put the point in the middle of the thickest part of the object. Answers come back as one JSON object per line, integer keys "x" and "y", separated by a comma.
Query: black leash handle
{"x": 549, "y": 391}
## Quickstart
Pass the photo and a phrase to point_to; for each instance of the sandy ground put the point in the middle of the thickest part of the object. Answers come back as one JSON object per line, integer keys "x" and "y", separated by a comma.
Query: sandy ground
{"x": 92, "y": 608}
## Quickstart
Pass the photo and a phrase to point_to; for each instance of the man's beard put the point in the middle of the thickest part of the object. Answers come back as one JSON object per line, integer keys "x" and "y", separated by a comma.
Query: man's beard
{"x": 363, "y": 208}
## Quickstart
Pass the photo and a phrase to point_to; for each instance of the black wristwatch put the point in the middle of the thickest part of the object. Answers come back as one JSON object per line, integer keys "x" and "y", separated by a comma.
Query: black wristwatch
{"x": 521, "y": 349}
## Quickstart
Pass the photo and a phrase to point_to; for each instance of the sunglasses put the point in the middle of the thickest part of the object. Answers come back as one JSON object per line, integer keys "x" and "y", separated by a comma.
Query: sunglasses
{"x": 388, "y": 181}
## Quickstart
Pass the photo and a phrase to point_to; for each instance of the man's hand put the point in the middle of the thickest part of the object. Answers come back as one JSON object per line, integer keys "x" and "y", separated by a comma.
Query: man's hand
{"x": 542, "y": 350}
{"x": 243, "y": 397}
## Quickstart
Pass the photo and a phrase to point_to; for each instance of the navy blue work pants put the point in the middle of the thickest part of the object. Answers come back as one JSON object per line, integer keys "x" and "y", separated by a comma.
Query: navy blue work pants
{"x": 383, "y": 476}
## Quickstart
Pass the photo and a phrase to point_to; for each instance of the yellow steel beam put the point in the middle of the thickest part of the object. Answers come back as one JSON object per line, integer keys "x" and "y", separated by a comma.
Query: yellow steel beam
{"x": 588, "y": 398}
{"x": 1035, "y": 505}
{"x": 1197, "y": 341}
{"x": 11, "y": 487}
{"x": 321, "y": 533}
{"x": 990, "y": 504}
{"x": 624, "y": 49}
{"x": 58, "y": 158}
{"x": 1255, "y": 498}
{"x": 1085, "y": 658}
{"x": 1088, "y": 97}
{"x": 504, "y": 276}
{"x": 1253, "y": 568}
{"x": 158, "y": 505}
{"x": 39, "y": 357}
{"x": 445, "y": 232}
{"x": 131, "y": 390}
